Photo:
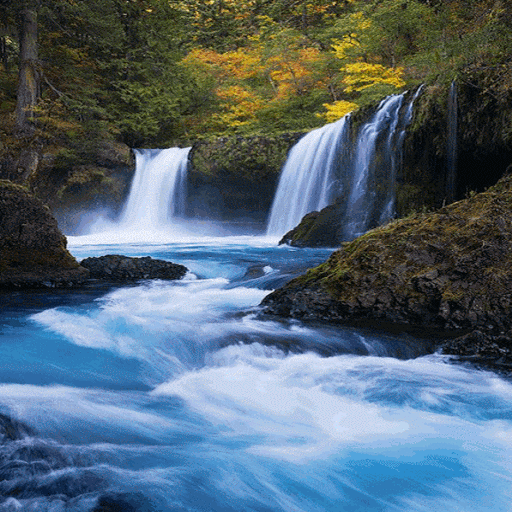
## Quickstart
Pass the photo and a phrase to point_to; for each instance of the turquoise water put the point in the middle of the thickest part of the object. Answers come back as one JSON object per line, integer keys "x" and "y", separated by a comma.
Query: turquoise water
{"x": 176, "y": 396}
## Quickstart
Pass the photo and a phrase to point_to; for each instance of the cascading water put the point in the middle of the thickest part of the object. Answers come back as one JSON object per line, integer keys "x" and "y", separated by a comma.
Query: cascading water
{"x": 177, "y": 395}
{"x": 362, "y": 205}
{"x": 157, "y": 191}
{"x": 395, "y": 148}
{"x": 451, "y": 150}
{"x": 307, "y": 177}
{"x": 326, "y": 165}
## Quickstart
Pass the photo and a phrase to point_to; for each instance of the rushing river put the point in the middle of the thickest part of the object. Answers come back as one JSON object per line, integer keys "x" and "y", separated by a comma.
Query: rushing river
{"x": 175, "y": 396}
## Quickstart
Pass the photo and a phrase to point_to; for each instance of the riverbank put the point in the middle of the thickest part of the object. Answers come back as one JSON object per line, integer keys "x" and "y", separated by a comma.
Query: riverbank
{"x": 33, "y": 250}
{"x": 447, "y": 271}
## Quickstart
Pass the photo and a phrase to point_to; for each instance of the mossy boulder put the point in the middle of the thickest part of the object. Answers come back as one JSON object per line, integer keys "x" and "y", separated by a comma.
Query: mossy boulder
{"x": 317, "y": 229}
{"x": 235, "y": 177}
{"x": 32, "y": 249}
{"x": 449, "y": 272}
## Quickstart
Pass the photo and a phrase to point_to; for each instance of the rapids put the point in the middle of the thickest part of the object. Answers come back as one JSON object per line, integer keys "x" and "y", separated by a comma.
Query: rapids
{"x": 167, "y": 396}
{"x": 179, "y": 396}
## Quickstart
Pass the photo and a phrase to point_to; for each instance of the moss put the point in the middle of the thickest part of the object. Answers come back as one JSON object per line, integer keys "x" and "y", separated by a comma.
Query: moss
{"x": 20, "y": 259}
{"x": 87, "y": 183}
{"x": 467, "y": 242}
{"x": 232, "y": 176}
{"x": 250, "y": 158}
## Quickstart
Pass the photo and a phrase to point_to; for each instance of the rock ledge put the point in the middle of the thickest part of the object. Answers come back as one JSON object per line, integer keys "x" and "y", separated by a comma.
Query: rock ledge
{"x": 449, "y": 272}
{"x": 114, "y": 267}
{"x": 33, "y": 251}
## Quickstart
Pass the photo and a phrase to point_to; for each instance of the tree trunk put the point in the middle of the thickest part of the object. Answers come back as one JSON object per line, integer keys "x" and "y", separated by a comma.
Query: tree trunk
{"x": 28, "y": 82}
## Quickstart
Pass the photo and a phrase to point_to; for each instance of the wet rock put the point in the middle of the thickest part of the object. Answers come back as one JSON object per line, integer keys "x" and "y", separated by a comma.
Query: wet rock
{"x": 124, "y": 502}
{"x": 317, "y": 229}
{"x": 11, "y": 429}
{"x": 449, "y": 272}
{"x": 33, "y": 251}
{"x": 115, "y": 267}
{"x": 484, "y": 349}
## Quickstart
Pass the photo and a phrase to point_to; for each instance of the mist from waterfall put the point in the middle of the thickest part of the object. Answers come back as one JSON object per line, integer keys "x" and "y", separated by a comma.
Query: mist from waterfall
{"x": 154, "y": 210}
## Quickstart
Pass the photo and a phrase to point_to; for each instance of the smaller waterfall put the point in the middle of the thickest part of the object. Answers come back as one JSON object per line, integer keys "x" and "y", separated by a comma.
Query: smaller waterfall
{"x": 306, "y": 180}
{"x": 451, "y": 149}
{"x": 362, "y": 205}
{"x": 395, "y": 149}
{"x": 157, "y": 191}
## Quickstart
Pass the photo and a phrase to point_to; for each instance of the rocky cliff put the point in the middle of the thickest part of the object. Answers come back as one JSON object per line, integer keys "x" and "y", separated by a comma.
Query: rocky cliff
{"x": 449, "y": 272}
{"x": 32, "y": 248}
{"x": 97, "y": 179}
{"x": 482, "y": 140}
{"x": 235, "y": 177}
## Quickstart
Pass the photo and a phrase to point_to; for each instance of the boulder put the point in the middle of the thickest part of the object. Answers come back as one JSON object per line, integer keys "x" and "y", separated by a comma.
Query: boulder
{"x": 13, "y": 430}
{"x": 118, "y": 268}
{"x": 32, "y": 249}
{"x": 317, "y": 229}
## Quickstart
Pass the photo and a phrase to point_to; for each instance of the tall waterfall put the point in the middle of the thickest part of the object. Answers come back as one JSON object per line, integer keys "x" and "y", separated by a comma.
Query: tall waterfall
{"x": 158, "y": 189}
{"x": 451, "y": 150}
{"x": 306, "y": 182}
{"x": 327, "y": 165}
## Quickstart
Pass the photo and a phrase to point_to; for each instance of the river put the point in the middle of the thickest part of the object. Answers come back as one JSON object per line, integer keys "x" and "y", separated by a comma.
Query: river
{"x": 176, "y": 396}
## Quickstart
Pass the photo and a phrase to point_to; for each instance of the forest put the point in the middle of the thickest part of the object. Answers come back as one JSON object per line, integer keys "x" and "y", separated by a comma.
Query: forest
{"x": 151, "y": 73}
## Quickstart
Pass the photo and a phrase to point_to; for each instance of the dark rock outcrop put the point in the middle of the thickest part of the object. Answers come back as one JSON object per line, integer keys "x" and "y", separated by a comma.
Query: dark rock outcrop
{"x": 114, "y": 267}
{"x": 317, "y": 229}
{"x": 235, "y": 177}
{"x": 72, "y": 183}
{"x": 483, "y": 140}
{"x": 12, "y": 430}
{"x": 448, "y": 271}
{"x": 32, "y": 249}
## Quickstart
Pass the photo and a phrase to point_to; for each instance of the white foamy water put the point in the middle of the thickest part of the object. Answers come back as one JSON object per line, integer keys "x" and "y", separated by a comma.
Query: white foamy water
{"x": 168, "y": 326}
{"x": 178, "y": 395}
{"x": 304, "y": 406}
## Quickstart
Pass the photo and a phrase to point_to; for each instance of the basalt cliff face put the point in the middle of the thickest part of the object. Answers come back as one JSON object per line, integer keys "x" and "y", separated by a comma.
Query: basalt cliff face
{"x": 449, "y": 272}
{"x": 32, "y": 249}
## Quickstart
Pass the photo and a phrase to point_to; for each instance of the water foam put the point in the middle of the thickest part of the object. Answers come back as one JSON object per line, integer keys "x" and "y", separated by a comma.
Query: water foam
{"x": 304, "y": 406}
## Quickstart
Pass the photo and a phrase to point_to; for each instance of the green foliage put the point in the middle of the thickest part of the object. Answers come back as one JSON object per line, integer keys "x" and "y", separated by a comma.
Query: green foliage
{"x": 151, "y": 72}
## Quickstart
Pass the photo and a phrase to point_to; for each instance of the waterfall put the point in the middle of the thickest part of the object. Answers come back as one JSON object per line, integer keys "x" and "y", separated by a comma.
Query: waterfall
{"x": 327, "y": 166}
{"x": 306, "y": 180}
{"x": 397, "y": 157}
{"x": 362, "y": 205}
{"x": 157, "y": 193}
{"x": 451, "y": 150}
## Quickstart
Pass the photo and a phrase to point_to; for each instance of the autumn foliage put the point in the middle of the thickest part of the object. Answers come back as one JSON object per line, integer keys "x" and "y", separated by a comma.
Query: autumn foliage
{"x": 154, "y": 72}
